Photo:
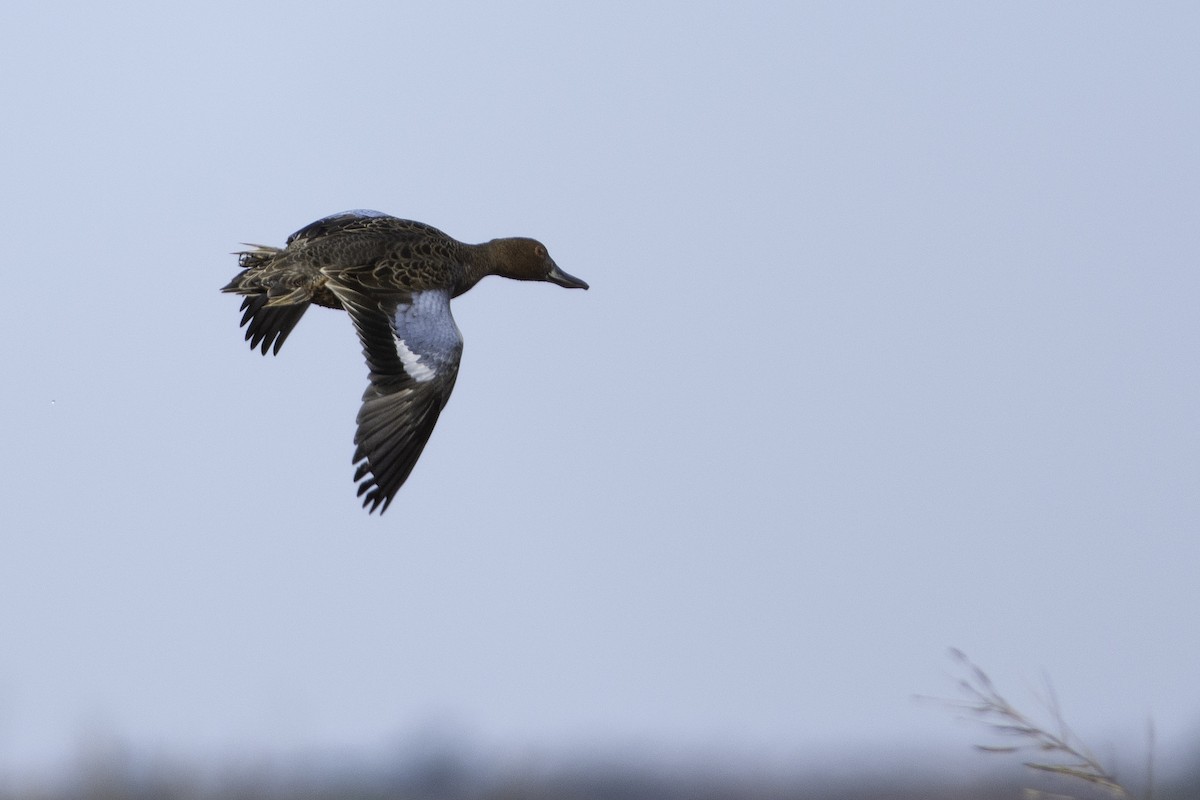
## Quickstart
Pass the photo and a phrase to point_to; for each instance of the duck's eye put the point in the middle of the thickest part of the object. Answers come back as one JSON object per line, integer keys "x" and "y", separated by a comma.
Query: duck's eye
{"x": 539, "y": 251}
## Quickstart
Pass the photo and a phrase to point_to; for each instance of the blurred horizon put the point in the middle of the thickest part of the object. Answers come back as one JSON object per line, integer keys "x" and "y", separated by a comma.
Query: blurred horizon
{"x": 445, "y": 759}
{"x": 438, "y": 763}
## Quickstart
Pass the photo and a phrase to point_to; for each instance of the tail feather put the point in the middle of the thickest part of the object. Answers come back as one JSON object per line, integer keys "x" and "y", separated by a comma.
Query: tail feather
{"x": 274, "y": 297}
{"x": 258, "y": 257}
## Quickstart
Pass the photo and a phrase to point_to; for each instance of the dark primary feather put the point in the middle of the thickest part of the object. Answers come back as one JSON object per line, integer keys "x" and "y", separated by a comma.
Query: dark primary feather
{"x": 269, "y": 325}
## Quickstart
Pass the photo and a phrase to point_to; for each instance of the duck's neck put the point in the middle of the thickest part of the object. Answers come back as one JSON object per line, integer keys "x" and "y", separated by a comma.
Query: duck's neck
{"x": 479, "y": 261}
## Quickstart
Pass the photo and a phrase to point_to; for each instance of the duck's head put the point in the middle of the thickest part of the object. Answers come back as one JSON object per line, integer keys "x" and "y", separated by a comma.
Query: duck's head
{"x": 528, "y": 260}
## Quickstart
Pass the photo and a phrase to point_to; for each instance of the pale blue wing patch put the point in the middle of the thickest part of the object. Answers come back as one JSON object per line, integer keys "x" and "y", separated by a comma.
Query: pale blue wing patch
{"x": 426, "y": 338}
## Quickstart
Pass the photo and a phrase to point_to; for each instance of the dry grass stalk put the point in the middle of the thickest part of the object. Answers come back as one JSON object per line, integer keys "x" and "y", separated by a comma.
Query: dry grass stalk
{"x": 1059, "y": 750}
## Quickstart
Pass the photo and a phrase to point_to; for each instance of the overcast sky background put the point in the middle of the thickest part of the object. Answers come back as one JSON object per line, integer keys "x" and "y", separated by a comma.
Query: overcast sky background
{"x": 891, "y": 346}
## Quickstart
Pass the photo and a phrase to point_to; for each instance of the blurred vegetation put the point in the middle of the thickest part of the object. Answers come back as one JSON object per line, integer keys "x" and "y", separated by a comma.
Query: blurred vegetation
{"x": 1052, "y": 763}
{"x": 447, "y": 776}
{"x": 448, "y": 782}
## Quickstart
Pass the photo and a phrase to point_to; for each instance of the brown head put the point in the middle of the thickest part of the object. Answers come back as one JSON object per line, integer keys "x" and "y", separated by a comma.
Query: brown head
{"x": 528, "y": 260}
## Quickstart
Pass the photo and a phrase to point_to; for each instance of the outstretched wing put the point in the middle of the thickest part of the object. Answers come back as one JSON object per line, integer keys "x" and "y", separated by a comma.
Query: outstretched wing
{"x": 412, "y": 347}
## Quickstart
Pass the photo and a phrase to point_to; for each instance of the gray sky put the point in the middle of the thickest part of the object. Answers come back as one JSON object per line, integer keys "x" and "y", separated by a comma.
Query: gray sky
{"x": 891, "y": 346}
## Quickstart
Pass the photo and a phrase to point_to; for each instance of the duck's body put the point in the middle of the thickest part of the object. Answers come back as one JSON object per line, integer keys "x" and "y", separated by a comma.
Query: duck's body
{"x": 395, "y": 278}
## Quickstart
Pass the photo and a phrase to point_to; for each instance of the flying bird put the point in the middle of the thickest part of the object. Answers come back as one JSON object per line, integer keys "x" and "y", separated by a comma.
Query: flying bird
{"x": 395, "y": 278}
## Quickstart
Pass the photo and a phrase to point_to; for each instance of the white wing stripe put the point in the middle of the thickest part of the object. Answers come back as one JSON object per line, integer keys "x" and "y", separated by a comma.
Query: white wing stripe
{"x": 412, "y": 362}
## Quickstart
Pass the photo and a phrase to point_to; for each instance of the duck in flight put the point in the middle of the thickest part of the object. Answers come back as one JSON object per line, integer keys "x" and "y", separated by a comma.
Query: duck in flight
{"x": 395, "y": 278}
